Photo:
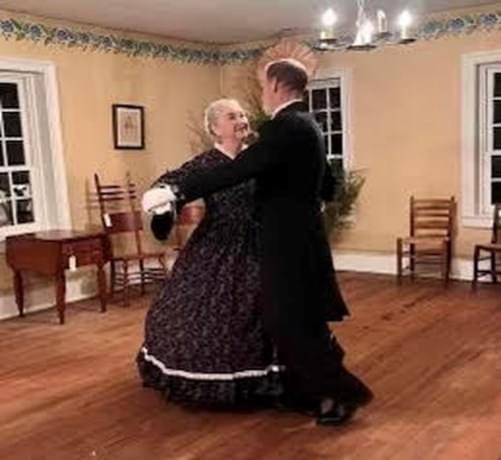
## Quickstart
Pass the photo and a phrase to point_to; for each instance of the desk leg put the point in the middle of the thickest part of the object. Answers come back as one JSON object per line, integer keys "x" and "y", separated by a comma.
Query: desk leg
{"x": 60, "y": 295}
{"x": 18, "y": 289}
{"x": 101, "y": 285}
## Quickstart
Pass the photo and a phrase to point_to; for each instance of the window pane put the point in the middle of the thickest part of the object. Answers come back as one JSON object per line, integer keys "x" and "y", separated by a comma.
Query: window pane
{"x": 21, "y": 177}
{"x": 497, "y": 138}
{"x": 496, "y": 167}
{"x": 24, "y": 209}
{"x": 15, "y": 153}
{"x": 2, "y": 160}
{"x": 5, "y": 213}
{"x": 336, "y": 166}
{"x": 326, "y": 141}
{"x": 4, "y": 186}
{"x": 497, "y": 85}
{"x": 8, "y": 96}
{"x": 497, "y": 111}
{"x": 319, "y": 97}
{"x": 321, "y": 118}
{"x": 335, "y": 96}
{"x": 337, "y": 144}
{"x": 21, "y": 190}
{"x": 336, "y": 121}
{"x": 12, "y": 124}
{"x": 496, "y": 192}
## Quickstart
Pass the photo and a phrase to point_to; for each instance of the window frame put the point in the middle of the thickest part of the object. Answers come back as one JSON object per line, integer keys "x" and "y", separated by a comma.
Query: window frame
{"x": 476, "y": 180}
{"x": 343, "y": 77}
{"x": 41, "y": 74}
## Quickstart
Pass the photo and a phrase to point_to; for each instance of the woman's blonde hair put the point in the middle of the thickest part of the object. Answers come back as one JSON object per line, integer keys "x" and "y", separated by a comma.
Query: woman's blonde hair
{"x": 213, "y": 112}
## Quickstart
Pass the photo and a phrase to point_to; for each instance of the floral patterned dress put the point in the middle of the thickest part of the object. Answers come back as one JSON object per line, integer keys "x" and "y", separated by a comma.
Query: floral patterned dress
{"x": 204, "y": 337}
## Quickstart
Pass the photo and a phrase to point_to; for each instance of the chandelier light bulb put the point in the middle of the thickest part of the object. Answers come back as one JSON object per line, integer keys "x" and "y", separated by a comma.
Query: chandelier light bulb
{"x": 366, "y": 31}
{"x": 404, "y": 20}
{"x": 329, "y": 18}
{"x": 382, "y": 22}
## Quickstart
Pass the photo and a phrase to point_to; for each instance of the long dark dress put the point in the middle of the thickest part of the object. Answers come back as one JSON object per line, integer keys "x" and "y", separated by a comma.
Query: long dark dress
{"x": 299, "y": 285}
{"x": 204, "y": 337}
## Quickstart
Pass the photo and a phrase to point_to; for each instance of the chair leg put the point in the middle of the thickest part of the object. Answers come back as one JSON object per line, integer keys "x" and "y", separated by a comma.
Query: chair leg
{"x": 113, "y": 279}
{"x": 125, "y": 283}
{"x": 476, "y": 256}
{"x": 399, "y": 260}
{"x": 445, "y": 263}
{"x": 412, "y": 260}
{"x": 493, "y": 267}
{"x": 143, "y": 275}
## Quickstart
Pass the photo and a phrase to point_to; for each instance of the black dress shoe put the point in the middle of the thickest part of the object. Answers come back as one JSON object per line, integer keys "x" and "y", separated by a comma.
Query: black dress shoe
{"x": 340, "y": 414}
{"x": 343, "y": 410}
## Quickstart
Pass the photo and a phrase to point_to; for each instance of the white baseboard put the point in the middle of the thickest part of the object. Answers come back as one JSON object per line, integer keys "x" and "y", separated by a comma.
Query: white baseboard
{"x": 44, "y": 297}
{"x": 78, "y": 288}
{"x": 462, "y": 269}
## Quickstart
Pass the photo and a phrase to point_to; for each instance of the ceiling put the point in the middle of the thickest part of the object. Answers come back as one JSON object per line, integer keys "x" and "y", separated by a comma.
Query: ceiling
{"x": 220, "y": 21}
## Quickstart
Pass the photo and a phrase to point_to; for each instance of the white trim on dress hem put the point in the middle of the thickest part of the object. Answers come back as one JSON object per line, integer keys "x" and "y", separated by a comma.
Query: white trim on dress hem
{"x": 210, "y": 376}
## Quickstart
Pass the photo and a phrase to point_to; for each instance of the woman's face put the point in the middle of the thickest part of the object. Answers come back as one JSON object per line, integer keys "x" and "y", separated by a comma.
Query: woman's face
{"x": 231, "y": 124}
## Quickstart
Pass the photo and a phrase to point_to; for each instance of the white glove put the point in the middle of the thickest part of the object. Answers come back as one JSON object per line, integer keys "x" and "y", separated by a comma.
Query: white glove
{"x": 158, "y": 200}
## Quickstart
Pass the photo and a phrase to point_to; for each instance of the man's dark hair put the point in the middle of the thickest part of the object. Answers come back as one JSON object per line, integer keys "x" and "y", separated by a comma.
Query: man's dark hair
{"x": 288, "y": 73}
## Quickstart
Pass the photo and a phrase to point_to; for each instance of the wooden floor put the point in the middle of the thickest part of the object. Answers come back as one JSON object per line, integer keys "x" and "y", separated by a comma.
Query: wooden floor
{"x": 432, "y": 356}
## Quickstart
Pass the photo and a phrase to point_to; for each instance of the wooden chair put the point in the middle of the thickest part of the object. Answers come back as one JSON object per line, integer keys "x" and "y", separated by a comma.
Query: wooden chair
{"x": 119, "y": 216}
{"x": 492, "y": 250}
{"x": 430, "y": 240}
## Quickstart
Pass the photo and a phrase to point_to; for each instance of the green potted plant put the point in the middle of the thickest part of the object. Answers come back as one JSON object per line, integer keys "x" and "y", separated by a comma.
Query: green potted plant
{"x": 338, "y": 213}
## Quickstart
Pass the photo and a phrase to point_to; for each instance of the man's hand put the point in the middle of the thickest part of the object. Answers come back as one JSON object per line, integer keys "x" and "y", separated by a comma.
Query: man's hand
{"x": 158, "y": 200}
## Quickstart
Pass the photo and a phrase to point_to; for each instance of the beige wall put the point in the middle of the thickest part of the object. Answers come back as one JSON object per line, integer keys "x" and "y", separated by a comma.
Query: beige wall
{"x": 89, "y": 83}
{"x": 405, "y": 123}
{"x": 405, "y": 131}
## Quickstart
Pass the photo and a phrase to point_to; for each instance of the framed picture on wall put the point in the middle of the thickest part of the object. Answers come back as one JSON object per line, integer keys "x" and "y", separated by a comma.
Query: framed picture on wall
{"x": 128, "y": 127}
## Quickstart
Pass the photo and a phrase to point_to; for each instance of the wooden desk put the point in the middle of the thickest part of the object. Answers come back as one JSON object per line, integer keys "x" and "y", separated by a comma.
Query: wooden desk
{"x": 51, "y": 253}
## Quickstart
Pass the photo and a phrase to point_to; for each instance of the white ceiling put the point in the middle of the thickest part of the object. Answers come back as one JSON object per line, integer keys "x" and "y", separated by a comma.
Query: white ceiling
{"x": 222, "y": 21}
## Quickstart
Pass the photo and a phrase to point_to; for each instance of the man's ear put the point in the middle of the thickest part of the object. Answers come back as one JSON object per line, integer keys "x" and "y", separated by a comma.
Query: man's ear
{"x": 275, "y": 86}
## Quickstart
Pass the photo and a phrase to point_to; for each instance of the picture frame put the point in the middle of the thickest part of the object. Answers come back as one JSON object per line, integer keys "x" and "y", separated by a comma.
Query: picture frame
{"x": 128, "y": 127}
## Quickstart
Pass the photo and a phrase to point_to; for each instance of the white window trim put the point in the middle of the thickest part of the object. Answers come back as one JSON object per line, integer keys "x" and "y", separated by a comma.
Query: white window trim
{"x": 48, "y": 72}
{"x": 472, "y": 214}
{"x": 345, "y": 77}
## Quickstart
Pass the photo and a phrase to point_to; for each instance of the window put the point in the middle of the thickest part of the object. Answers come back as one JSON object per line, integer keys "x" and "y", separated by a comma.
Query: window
{"x": 327, "y": 103}
{"x": 492, "y": 132}
{"x": 481, "y": 161}
{"x": 33, "y": 192}
{"x": 16, "y": 172}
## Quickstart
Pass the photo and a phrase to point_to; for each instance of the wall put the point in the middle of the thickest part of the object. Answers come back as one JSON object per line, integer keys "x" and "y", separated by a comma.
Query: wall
{"x": 405, "y": 126}
{"x": 89, "y": 83}
{"x": 405, "y": 130}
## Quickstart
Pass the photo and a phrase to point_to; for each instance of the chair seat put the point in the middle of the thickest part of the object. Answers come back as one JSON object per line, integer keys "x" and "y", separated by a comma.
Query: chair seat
{"x": 433, "y": 240}
{"x": 424, "y": 253}
{"x": 430, "y": 237}
{"x": 489, "y": 247}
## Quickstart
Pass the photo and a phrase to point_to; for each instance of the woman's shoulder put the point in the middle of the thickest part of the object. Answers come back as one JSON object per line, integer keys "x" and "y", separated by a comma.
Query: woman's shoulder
{"x": 202, "y": 158}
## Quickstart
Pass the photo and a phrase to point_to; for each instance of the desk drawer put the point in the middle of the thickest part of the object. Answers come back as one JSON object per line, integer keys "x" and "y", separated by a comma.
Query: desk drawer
{"x": 85, "y": 252}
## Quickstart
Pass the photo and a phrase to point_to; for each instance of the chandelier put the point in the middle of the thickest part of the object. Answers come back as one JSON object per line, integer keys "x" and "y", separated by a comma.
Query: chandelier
{"x": 367, "y": 35}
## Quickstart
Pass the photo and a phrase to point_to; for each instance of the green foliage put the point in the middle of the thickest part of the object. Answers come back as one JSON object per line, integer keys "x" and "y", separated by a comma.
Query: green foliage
{"x": 338, "y": 212}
